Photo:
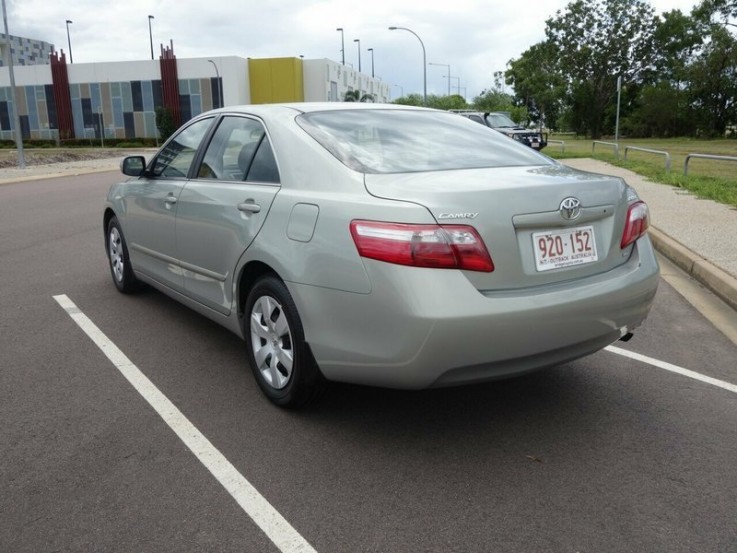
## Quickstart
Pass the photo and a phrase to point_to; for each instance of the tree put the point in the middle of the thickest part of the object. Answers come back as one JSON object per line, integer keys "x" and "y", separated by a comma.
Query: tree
{"x": 659, "y": 110}
{"x": 713, "y": 77}
{"x": 454, "y": 101}
{"x": 538, "y": 83}
{"x": 707, "y": 10}
{"x": 597, "y": 41}
{"x": 165, "y": 122}
{"x": 356, "y": 96}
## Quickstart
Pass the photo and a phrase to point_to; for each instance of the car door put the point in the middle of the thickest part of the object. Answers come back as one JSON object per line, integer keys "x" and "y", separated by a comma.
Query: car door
{"x": 151, "y": 206}
{"x": 222, "y": 208}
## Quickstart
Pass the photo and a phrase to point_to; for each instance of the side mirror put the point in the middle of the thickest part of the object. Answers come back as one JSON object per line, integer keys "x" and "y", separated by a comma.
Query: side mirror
{"x": 133, "y": 166}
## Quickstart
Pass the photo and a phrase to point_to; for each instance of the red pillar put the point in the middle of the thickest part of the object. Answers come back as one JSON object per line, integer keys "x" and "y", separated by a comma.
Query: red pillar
{"x": 170, "y": 82}
{"x": 62, "y": 98}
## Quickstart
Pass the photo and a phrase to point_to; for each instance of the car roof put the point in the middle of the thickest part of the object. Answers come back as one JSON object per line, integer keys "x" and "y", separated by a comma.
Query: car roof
{"x": 307, "y": 107}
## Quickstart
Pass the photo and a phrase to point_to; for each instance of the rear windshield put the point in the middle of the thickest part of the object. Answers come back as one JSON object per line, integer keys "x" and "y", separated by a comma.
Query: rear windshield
{"x": 398, "y": 141}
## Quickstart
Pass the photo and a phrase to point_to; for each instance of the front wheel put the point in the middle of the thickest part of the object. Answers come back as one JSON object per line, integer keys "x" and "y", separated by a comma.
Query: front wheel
{"x": 279, "y": 357}
{"x": 120, "y": 266}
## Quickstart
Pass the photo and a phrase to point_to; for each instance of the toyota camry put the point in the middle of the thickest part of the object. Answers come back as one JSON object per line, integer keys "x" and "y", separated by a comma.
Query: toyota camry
{"x": 381, "y": 245}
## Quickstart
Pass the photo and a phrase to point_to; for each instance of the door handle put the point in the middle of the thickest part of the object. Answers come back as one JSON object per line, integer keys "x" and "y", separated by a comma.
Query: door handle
{"x": 249, "y": 207}
{"x": 171, "y": 200}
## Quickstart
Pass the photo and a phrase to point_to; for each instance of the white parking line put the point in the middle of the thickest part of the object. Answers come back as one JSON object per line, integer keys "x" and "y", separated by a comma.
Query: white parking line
{"x": 278, "y": 530}
{"x": 673, "y": 368}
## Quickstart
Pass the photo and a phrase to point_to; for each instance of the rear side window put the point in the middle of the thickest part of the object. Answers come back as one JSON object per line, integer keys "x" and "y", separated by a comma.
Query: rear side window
{"x": 399, "y": 141}
{"x": 239, "y": 150}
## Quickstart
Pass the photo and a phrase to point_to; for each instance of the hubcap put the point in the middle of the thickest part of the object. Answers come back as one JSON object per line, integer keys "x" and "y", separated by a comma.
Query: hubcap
{"x": 116, "y": 254}
{"x": 271, "y": 339}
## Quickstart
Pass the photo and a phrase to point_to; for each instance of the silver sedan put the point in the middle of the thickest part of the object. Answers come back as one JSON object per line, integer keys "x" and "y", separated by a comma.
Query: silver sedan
{"x": 381, "y": 245}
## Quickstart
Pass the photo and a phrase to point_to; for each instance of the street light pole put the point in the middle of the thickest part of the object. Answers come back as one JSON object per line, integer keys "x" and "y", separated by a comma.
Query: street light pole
{"x": 150, "y": 35}
{"x": 69, "y": 42}
{"x": 424, "y": 59}
{"x": 443, "y": 65}
{"x": 372, "y": 61}
{"x": 220, "y": 86}
{"x": 342, "y": 43}
{"x": 16, "y": 115}
{"x": 401, "y": 90}
{"x": 458, "y": 83}
{"x": 359, "y": 52}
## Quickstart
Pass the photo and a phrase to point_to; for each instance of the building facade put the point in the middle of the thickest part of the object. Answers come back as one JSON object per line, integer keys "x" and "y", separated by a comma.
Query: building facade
{"x": 25, "y": 51}
{"x": 119, "y": 99}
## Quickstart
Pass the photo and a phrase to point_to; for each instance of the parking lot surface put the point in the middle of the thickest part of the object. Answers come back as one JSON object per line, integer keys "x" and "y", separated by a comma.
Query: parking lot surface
{"x": 608, "y": 453}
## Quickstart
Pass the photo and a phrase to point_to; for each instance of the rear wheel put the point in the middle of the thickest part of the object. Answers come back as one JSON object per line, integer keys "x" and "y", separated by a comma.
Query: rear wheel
{"x": 120, "y": 267}
{"x": 279, "y": 357}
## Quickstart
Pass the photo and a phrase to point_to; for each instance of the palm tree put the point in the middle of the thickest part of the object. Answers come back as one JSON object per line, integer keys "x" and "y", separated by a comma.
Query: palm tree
{"x": 355, "y": 96}
{"x": 352, "y": 96}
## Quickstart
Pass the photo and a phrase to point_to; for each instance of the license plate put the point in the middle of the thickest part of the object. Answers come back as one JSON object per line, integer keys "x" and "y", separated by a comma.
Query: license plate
{"x": 556, "y": 249}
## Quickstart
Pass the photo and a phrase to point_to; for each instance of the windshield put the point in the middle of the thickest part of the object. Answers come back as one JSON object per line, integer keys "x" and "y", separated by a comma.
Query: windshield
{"x": 500, "y": 121}
{"x": 398, "y": 141}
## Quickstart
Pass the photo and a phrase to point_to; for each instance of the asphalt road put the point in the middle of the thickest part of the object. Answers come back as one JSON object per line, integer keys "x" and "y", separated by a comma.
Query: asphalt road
{"x": 603, "y": 454}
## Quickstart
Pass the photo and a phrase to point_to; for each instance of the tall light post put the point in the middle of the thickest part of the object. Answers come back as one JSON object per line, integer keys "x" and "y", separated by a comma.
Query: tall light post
{"x": 342, "y": 44}
{"x": 150, "y": 35}
{"x": 220, "y": 86}
{"x": 458, "y": 83}
{"x": 424, "y": 60}
{"x": 69, "y": 42}
{"x": 401, "y": 90}
{"x": 358, "y": 40}
{"x": 16, "y": 115}
{"x": 372, "y": 61}
{"x": 443, "y": 65}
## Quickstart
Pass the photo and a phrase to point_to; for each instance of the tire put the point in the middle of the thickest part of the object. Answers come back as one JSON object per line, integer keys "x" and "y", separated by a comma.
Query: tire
{"x": 117, "y": 256}
{"x": 278, "y": 355}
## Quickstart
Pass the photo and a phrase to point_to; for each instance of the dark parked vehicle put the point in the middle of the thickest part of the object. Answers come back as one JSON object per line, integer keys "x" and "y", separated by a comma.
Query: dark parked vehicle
{"x": 502, "y": 123}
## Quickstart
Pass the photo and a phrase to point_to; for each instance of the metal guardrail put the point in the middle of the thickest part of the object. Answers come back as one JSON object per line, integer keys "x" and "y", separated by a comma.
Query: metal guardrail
{"x": 705, "y": 156}
{"x": 614, "y": 144}
{"x": 561, "y": 142}
{"x": 649, "y": 151}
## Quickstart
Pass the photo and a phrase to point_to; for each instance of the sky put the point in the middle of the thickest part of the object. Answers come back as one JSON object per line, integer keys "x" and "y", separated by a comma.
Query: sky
{"x": 475, "y": 38}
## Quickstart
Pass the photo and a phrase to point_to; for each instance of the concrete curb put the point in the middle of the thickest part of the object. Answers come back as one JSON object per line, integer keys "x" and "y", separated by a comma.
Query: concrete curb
{"x": 712, "y": 277}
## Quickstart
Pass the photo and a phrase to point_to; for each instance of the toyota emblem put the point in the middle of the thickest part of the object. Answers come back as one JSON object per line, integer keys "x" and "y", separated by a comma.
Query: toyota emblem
{"x": 570, "y": 208}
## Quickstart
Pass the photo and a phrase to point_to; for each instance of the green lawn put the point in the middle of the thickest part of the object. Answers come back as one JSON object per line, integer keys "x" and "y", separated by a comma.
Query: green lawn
{"x": 715, "y": 180}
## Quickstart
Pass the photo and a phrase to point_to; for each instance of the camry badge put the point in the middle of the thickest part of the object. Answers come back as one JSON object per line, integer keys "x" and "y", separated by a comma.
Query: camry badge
{"x": 457, "y": 215}
{"x": 570, "y": 208}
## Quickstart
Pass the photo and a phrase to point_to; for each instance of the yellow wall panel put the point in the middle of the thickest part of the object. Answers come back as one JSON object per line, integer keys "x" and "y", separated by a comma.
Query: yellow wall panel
{"x": 276, "y": 80}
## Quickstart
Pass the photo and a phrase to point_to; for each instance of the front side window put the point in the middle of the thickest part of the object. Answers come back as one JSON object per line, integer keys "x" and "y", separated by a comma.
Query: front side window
{"x": 399, "y": 141}
{"x": 176, "y": 157}
{"x": 239, "y": 150}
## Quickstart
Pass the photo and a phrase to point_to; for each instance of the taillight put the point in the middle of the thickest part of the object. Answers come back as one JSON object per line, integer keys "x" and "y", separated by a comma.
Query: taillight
{"x": 638, "y": 221}
{"x": 434, "y": 246}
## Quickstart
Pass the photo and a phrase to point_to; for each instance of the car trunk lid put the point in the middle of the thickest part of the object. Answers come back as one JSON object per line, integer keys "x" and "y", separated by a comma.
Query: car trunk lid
{"x": 541, "y": 225}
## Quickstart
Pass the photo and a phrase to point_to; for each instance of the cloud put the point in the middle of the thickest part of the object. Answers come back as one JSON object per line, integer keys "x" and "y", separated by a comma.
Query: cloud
{"x": 475, "y": 38}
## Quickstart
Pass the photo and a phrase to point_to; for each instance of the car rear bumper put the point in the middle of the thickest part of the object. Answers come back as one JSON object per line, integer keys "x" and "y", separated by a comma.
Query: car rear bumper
{"x": 422, "y": 328}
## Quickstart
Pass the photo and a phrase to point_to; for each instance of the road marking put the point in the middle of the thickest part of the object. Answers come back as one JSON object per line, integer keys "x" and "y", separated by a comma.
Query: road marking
{"x": 673, "y": 368}
{"x": 278, "y": 530}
